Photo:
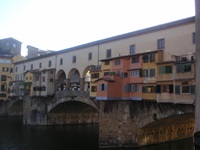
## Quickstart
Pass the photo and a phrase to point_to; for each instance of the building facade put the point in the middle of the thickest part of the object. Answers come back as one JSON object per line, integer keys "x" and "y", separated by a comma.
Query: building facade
{"x": 137, "y": 65}
{"x": 10, "y": 45}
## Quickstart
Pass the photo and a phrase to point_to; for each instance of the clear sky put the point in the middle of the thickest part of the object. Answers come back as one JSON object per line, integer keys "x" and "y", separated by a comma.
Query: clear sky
{"x": 60, "y": 24}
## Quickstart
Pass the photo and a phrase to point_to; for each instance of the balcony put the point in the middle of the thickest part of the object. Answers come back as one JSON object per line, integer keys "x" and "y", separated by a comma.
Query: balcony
{"x": 95, "y": 68}
{"x": 165, "y": 77}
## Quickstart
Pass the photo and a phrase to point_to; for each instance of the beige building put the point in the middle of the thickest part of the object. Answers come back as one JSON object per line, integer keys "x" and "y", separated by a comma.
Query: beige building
{"x": 72, "y": 65}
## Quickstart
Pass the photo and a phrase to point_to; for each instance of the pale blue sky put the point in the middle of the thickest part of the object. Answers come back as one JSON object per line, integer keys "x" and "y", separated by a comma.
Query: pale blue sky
{"x": 60, "y": 24}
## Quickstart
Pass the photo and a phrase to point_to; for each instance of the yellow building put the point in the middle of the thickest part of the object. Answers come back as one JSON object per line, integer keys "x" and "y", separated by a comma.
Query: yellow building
{"x": 6, "y": 73}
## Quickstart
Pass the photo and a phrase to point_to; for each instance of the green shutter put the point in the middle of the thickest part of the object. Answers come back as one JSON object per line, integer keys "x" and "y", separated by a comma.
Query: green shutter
{"x": 177, "y": 89}
{"x": 140, "y": 72}
{"x": 171, "y": 88}
{"x": 192, "y": 89}
{"x": 158, "y": 89}
{"x": 144, "y": 89}
{"x": 155, "y": 89}
{"x": 161, "y": 69}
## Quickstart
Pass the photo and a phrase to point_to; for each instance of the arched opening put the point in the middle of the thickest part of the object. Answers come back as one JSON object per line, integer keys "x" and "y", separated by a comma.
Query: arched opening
{"x": 61, "y": 77}
{"x": 86, "y": 79}
{"x": 74, "y": 79}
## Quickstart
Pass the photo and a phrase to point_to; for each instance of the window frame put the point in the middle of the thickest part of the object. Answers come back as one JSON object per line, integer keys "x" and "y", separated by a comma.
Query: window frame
{"x": 161, "y": 43}
{"x": 132, "y": 49}
{"x": 90, "y": 56}
{"x": 108, "y": 53}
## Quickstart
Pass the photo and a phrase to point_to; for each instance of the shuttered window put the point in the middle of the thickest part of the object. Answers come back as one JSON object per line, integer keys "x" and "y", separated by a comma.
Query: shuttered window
{"x": 177, "y": 89}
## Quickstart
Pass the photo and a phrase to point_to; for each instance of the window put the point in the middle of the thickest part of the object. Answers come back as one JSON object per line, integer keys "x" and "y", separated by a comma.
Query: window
{"x": 185, "y": 87}
{"x": 145, "y": 73}
{"x": 93, "y": 88}
{"x": 37, "y": 78}
{"x": 74, "y": 59}
{"x": 152, "y": 57}
{"x": 43, "y": 88}
{"x": 135, "y": 59}
{"x": 16, "y": 69}
{"x": 127, "y": 88}
{"x": 49, "y": 63}
{"x": 132, "y": 49}
{"x": 51, "y": 80}
{"x": 103, "y": 87}
{"x": 3, "y": 77}
{"x": 24, "y": 67}
{"x": 193, "y": 38}
{"x": 135, "y": 73}
{"x": 109, "y": 73}
{"x": 43, "y": 78}
{"x": 145, "y": 58}
{"x": 152, "y": 72}
{"x": 2, "y": 94}
{"x": 108, "y": 53}
{"x": 5, "y": 69}
{"x": 148, "y": 89}
{"x": 161, "y": 43}
{"x": 135, "y": 88}
{"x": 182, "y": 68}
{"x": 95, "y": 75}
{"x": 3, "y": 61}
{"x": 107, "y": 62}
{"x": 3, "y": 87}
{"x": 165, "y": 88}
{"x": 90, "y": 56}
{"x": 61, "y": 61}
{"x": 40, "y": 65}
{"x": 165, "y": 69}
{"x": 31, "y": 66}
{"x": 124, "y": 74}
{"x": 117, "y": 62}
{"x": 11, "y": 70}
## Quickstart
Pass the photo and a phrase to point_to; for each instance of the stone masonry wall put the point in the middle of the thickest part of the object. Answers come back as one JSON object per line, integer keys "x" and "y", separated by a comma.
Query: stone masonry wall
{"x": 121, "y": 121}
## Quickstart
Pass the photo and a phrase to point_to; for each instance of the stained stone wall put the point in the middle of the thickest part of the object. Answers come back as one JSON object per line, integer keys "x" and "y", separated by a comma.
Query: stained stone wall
{"x": 121, "y": 121}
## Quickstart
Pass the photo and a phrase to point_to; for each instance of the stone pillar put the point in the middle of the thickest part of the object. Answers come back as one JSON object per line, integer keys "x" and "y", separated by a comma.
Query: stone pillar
{"x": 67, "y": 81}
{"x": 116, "y": 127}
{"x": 82, "y": 81}
{"x": 197, "y": 90}
{"x": 35, "y": 110}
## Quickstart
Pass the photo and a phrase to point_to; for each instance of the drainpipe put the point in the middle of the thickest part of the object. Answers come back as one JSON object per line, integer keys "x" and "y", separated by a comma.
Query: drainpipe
{"x": 174, "y": 82}
{"x": 98, "y": 56}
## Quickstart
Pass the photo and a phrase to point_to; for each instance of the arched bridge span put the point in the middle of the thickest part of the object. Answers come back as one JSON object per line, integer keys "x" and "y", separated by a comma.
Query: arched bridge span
{"x": 65, "y": 107}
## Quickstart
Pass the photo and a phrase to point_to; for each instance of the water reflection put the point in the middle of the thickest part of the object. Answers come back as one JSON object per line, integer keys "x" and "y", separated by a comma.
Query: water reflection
{"x": 15, "y": 136}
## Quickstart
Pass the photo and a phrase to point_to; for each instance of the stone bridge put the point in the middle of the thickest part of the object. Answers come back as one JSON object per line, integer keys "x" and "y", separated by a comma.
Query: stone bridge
{"x": 137, "y": 123}
{"x": 121, "y": 123}
{"x": 13, "y": 107}
{"x": 65, "y": 107}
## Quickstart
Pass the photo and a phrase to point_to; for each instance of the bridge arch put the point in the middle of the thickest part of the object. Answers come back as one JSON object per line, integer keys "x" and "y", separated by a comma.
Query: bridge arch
{"x": 16, "y": 107}
{"x": 167, "y": 129}
{"x": 72, "y": 109}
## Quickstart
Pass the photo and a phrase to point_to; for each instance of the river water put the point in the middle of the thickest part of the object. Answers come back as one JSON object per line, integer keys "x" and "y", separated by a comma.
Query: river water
{"x": 15, "y": 136}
